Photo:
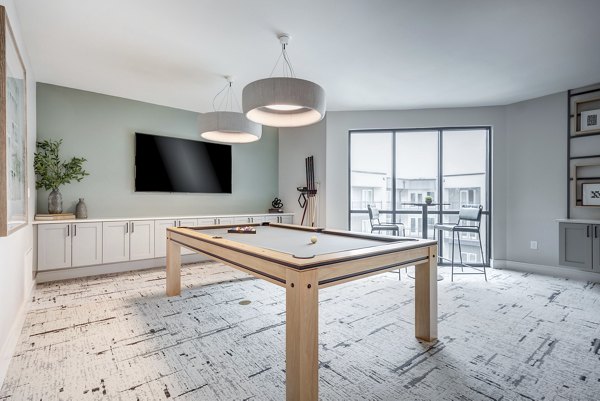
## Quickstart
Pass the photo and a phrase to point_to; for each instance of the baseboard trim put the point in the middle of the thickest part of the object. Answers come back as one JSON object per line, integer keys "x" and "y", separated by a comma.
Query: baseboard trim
{"x": 547, "y": 270}
{"x": 96, "y": 270}
{"x": 8, "y": 348}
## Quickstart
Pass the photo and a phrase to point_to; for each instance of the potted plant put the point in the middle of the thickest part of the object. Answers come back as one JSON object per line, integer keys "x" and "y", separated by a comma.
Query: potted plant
{"x": 52, "y": 172}
{"x": 428, "y": 199}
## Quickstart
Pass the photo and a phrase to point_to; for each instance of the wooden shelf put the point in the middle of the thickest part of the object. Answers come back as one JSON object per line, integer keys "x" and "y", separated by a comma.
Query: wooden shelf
{"x": 591, "y": 132}
{"x": 585, "y": 167}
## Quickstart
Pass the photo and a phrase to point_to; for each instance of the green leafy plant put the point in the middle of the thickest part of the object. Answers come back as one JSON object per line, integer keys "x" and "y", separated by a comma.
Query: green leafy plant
{"x": 51, "y": 171}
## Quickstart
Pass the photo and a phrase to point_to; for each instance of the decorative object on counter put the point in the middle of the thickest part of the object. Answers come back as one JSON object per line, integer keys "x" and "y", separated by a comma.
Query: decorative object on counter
{"x": 590, "y": 120}
{"x": 428, "y": 200}
{"x": 55, "y": 202}
{"x": 277, "y": 206}
{"x": 52, "y": 172}
{"x": 56, "y": 216}
{"x": 590, "y": 194}
{"x": 13, "y": 133}
{"x": 81, "y": 209}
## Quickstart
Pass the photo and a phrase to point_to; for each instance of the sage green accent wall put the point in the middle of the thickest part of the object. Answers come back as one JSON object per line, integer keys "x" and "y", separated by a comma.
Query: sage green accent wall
{"x": 101, "y": 128}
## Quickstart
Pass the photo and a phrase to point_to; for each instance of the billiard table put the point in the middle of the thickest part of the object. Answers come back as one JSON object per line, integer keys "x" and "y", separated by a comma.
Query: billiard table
{"x": 285, "y": 255}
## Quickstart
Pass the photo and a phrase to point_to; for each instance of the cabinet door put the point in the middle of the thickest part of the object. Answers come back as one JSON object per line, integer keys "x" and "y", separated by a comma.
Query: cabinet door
{"x": 141, "y": 239}
{"x": 248, "y": 219}
{"x": 86, "y": 244}
{"x": 207, "y": 222}
{"x": 115, "y": 241}
{"x": 186, "y": 223}
{"x": 596, "y": 248}
{"x": 54, "y": 246}
{"x": 160, "y": 236}
{"x": 575, "y": 245}
{"x": 272, "y": 219}
{"x": 225, "y": 220}
{"x": 242, "y": 220}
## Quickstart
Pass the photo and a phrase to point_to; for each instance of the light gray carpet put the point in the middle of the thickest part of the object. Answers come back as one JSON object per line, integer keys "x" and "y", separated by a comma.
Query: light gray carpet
{"x": 118, "y": 337}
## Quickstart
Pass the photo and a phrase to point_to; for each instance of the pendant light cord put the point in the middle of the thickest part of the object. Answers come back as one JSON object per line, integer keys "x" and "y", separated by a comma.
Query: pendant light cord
{"x": 287, "y": 63}
{"x": 228, "y": 98}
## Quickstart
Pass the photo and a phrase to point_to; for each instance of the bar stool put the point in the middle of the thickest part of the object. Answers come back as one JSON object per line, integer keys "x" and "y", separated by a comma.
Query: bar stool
{"x": 378, "y": 226}
{"x": 467, "y": 214}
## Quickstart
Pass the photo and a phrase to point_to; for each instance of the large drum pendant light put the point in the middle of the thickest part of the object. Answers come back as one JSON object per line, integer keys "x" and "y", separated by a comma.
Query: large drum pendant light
{"x": 228, "y": 126}
{"x": 284, "y": 101}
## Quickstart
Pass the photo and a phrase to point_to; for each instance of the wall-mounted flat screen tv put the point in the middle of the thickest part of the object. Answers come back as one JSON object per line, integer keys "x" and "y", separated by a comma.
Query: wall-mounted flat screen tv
{"x": 165, "y": 164}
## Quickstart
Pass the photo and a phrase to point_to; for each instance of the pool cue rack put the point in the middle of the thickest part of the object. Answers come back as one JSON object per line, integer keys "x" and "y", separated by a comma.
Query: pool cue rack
{"x": 308, "y": 194}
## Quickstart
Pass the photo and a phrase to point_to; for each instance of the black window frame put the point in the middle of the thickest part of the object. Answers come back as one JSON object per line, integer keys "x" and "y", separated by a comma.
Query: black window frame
{"x": 439, "y": 213}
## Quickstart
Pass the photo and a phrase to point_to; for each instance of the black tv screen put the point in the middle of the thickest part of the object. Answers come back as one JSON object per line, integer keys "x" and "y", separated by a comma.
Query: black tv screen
{"x": 164, "y": 164}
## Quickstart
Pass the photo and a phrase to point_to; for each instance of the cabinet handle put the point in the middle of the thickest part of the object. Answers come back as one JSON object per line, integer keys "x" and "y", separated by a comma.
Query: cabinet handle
{"x": 587, "y": 230}
{"x": 132, "y": 227}
{"x": 126, "y": 228}
{"x": 595, "y": 231}
{"x": 68, "y": 230}
{"x": 74, "y": 230}
{"x": 179, "y": 223}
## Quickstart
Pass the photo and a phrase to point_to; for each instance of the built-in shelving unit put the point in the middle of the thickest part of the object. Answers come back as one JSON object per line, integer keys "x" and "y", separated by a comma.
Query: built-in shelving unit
{"x": 583, "y": 151}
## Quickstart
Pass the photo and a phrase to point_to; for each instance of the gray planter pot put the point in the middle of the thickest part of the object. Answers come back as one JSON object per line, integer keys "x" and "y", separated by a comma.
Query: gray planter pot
{"x": 55, "y": 202}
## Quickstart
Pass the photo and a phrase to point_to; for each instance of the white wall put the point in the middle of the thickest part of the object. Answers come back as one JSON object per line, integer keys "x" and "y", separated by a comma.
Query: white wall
{"x": 529, "y": 171}
{"x": 101, "y": 128}
{"x": 339, "y": 123}
{"x": 296, "y": 144}
{"x": 16, "y": 274}
{"x": 537, "y": 178}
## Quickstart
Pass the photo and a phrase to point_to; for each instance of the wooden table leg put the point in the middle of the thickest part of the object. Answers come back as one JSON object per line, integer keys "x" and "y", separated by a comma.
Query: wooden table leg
{"x": 302, "y": 336}
{"x": 173, "y": 268}
{"x": 426, "y": 297}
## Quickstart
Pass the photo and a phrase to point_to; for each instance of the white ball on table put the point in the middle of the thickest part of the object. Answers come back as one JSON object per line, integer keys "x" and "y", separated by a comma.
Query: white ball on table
{"x": 313, "y": 239}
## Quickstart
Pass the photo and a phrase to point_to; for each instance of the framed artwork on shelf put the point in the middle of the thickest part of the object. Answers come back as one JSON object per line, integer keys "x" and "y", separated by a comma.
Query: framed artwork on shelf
{"x": 590, "y": 120}
{"x": 13, "y": 132}
{"x": 590, "y": 194}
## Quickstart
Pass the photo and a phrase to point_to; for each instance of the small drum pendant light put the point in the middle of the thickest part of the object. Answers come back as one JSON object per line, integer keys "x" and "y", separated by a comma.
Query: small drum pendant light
{"x": 284, "y": 101}
{"x": 228, "y": 126}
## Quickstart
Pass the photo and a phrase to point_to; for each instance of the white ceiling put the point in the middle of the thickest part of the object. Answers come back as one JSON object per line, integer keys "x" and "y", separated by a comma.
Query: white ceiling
{"x": 367, "y": 54}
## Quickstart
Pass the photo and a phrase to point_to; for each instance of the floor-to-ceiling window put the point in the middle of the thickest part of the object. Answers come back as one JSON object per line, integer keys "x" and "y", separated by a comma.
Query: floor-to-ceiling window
{"x": 392, "y": 169}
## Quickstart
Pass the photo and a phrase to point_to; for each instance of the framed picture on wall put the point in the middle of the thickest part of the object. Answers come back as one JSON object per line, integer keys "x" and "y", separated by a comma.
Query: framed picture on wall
{"x": 13, "y": 132}
{"x": 590, "y": 194}
{"x": 590, "y": 120}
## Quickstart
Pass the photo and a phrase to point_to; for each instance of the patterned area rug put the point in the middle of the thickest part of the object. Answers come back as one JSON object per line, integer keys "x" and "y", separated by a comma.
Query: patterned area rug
{"x": 118, "y": 337}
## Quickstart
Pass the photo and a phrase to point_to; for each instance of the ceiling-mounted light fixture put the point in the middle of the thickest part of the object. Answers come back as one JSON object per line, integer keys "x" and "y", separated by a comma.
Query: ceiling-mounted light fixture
{"x": 225, "y": 125}
{"x": 284, "y": 101}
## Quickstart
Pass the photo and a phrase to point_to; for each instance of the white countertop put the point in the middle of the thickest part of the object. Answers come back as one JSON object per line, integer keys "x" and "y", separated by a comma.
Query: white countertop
{"x": 579, "y": 221}
{"x": 96, "y": 220}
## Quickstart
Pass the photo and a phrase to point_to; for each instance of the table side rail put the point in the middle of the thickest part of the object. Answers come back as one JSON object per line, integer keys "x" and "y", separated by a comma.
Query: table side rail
{"x": 358, "y": 268}
{"x": 253, "y": 265}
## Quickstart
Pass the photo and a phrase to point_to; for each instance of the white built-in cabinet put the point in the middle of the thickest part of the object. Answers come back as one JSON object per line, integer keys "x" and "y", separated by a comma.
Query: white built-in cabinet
{"x": 75, "y": 244}
{"x": 127, "y": 240}
{"x": 86, "y": 244}
{"x": 141, "y": 239}
{"x": 160, "y": 235}
{"x": 115, "y": 245}
{"x": 69, "y": 245}
{"x": 54, "y": 246}
{"x": 285, "y": 219}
